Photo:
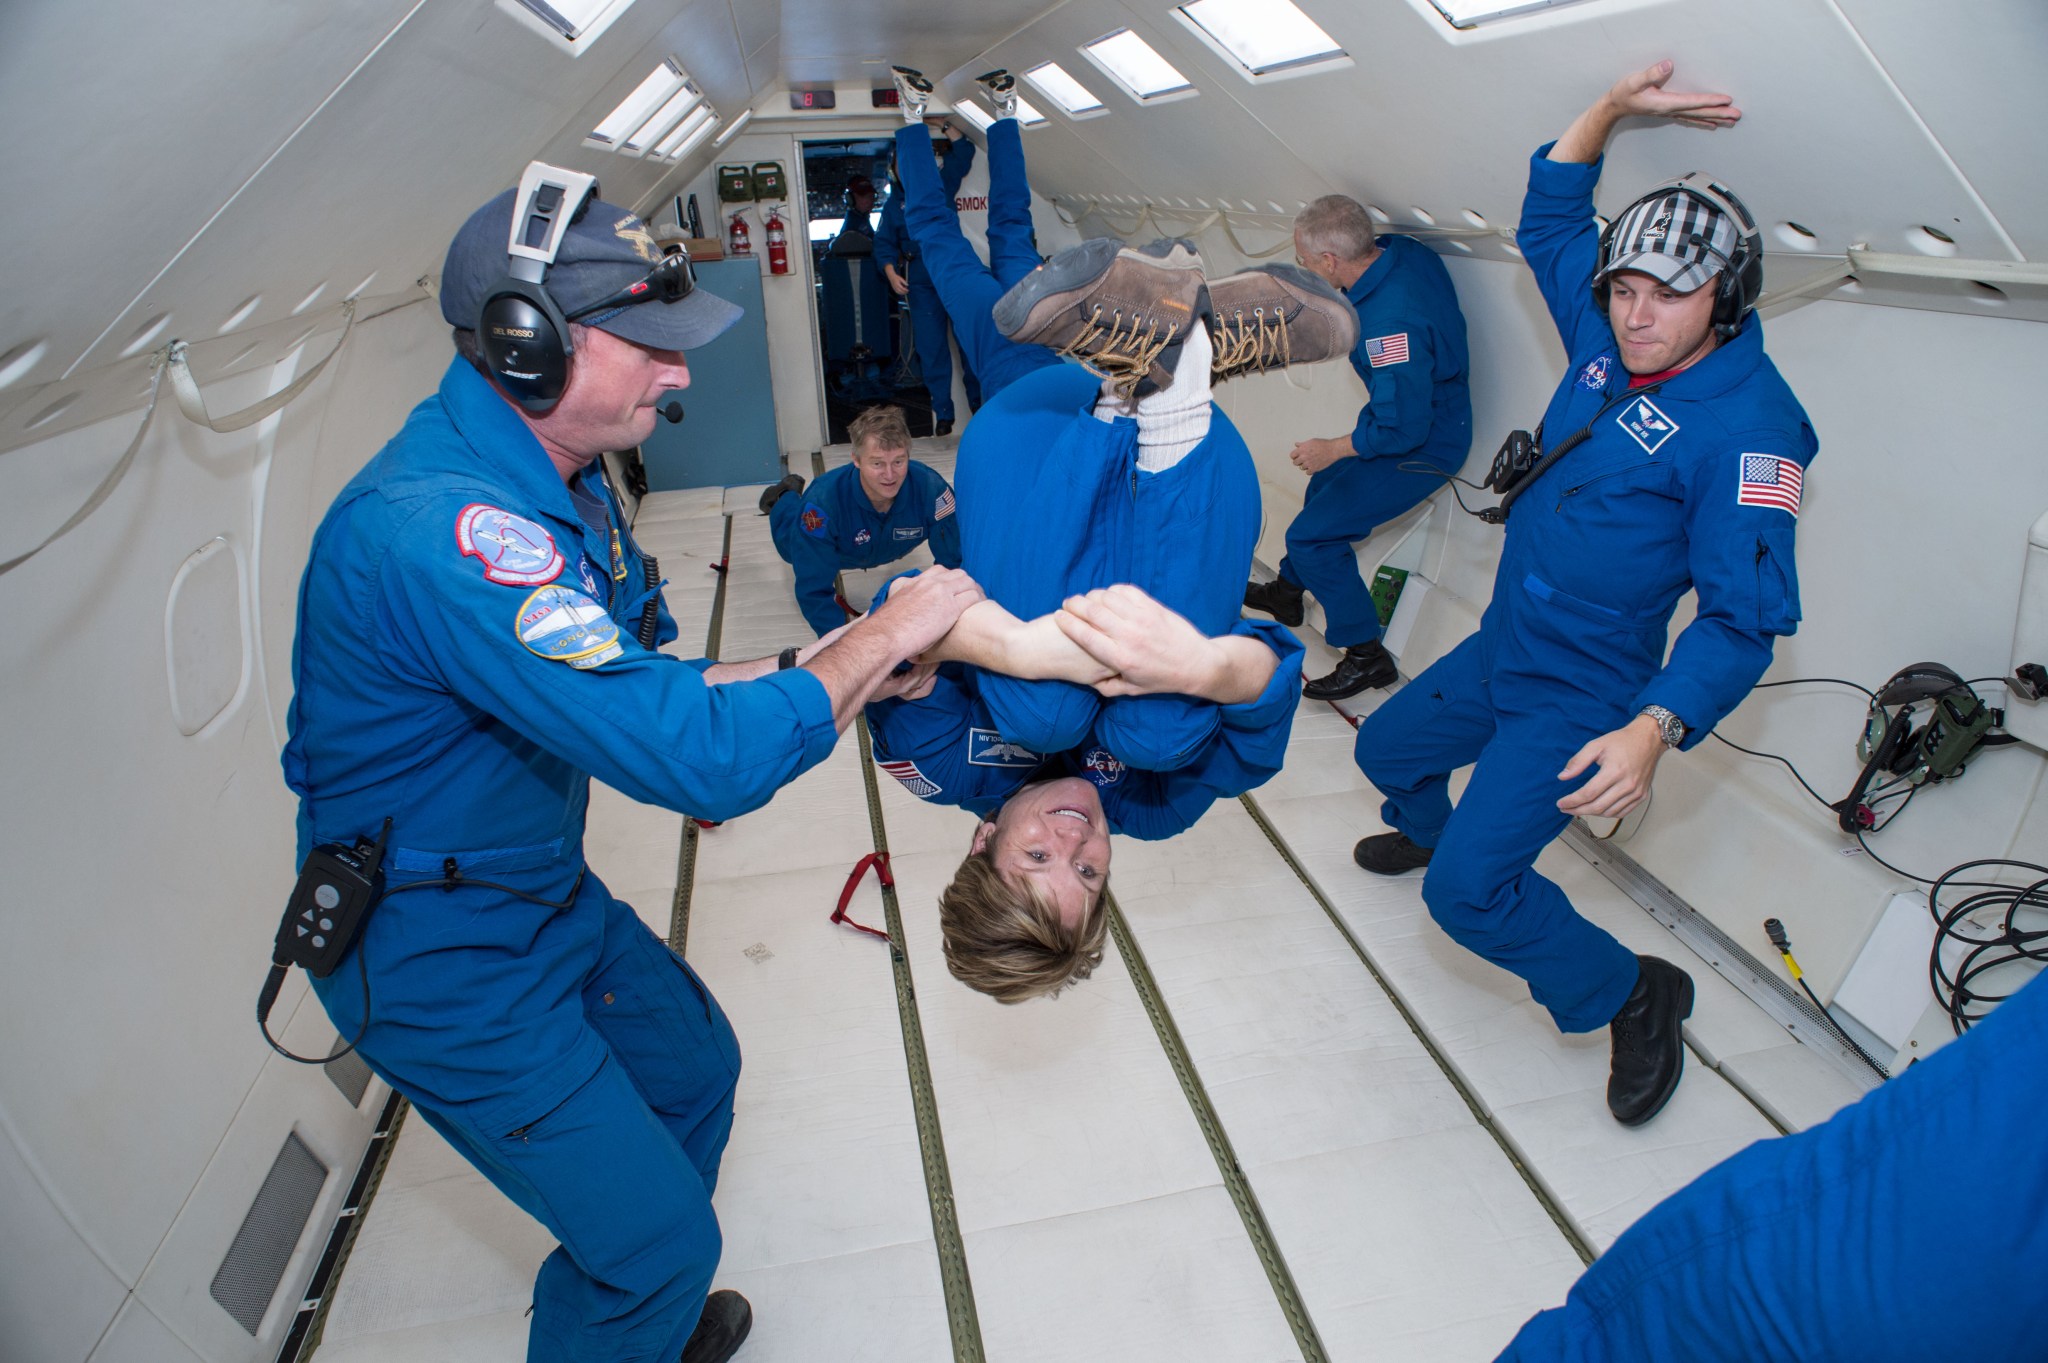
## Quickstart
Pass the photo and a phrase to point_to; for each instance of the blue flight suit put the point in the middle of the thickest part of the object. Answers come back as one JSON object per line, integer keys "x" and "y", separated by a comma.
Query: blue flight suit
{"x": 1411, "y": 354}
{"x": 1909, "y": 1226}
{"x": 893, "y": 246}
{"x": 832, "y": 525}
{"x": 968, "y": 288}
{"x": 1052, "y": 503}
{"x": 1668, "y": 493}
{"x": 465, "y": 663}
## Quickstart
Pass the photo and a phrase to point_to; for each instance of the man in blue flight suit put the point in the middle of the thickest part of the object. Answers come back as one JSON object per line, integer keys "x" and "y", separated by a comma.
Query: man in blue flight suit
{"x": 1679, "y": 453}
{"x": 1092, "y": 707}
{"x": 862, "y": 515}
{"x": 1909, "y": 1226}
{"x": 896, "y": 253}
{"x": 1415, "y": 426}
{"x": 467, "y": 658}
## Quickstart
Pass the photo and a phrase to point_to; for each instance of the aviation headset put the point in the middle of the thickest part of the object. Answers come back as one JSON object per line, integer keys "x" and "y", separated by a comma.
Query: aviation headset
{"x": 1958, "y": 723}
{"x": 522, "y": 333}
{"x": 1741, "y": 272}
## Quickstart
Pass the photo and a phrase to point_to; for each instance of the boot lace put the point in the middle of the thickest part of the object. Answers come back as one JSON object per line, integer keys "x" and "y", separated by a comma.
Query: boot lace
{"x": 1122, "y": 354}
{"x": 1251, "y": 344}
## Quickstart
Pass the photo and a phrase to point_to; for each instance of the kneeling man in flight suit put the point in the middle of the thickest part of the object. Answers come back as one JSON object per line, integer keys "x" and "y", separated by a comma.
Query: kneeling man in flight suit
{"x": 861, "y": 515}
{"x": 466, "y": 662}
{"x": 1678, "y": 457}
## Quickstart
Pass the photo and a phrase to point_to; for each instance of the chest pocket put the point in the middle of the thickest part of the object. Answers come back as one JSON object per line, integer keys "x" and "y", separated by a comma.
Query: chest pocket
{"x": 1612, "y": 472}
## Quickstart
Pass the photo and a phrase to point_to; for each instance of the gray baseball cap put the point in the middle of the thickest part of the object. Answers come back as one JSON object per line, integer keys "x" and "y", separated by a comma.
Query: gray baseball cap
{"x": 1676, "y": 238}
{"x": 606, "y": 250}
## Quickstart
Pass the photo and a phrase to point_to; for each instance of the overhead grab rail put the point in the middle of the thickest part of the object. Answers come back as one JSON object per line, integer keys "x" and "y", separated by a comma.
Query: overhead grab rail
{"x": 171, "y": 358}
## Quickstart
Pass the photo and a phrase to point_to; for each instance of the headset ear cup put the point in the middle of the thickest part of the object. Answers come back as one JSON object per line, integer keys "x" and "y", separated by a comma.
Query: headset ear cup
{"x": 1894, "y": 744}
{"x": 525, "y": 345}
{"x": 1905, "y": 753}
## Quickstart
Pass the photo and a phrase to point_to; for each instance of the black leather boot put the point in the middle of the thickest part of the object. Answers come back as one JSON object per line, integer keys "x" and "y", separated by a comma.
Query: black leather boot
{"x": 1649, "y": 1045}
{"x": 1279, "y": 598}
{"x": 1389, "y": 854}
{"x": 720, "y": 1330}
{"x": 1361, "y": 666}
{"x": 944, "y": 427}
{"x": 773, "y": 493}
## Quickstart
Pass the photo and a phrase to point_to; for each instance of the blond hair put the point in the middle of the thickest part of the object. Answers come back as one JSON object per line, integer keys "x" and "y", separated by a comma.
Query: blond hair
{"x": 1007, "y": 941}
{"x": 880, "y": 428}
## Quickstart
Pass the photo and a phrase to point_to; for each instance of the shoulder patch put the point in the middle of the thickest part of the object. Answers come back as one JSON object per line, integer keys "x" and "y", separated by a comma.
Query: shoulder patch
{"x": 1593, "y": 377}
{"x": 914, "y": 781}
{"x": 988, "y": 748}
{"x": 944, "y": 506}
{"x": 563, "y": 625}
{"x": 1770, "y": 480}
{"x": 514, "y": 551}
{"x": 1646, "y": 424}
{"x": 1381, "y": 351}
{"x": 813, "y": 521}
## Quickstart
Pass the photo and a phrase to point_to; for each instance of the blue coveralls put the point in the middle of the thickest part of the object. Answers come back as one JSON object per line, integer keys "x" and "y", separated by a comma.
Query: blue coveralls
{"x": 893, "y": 246}
{"x": 968, "y": 288}
{"x": 465, "y": 663}
{"x": 1411, "y": 355}
{"x": 832, "y": 525}
{"x": 1909, "y": 1227}
{"x": 1666, "y": 494}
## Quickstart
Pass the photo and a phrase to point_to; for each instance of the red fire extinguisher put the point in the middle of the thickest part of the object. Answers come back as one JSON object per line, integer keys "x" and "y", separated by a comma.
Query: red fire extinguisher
{"x": 737, "y": 240}
{"x": 778, "y": 244}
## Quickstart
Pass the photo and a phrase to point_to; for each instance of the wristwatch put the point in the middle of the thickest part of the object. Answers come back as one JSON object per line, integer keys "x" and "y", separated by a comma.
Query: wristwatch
{"x": 1669, "y": 724}
{"x": 787, "y": 659}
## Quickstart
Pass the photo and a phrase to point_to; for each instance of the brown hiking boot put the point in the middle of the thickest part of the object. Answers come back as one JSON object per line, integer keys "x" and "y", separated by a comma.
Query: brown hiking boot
{"x": 1121, "y": 310}
{"x": 1275, "y": 315}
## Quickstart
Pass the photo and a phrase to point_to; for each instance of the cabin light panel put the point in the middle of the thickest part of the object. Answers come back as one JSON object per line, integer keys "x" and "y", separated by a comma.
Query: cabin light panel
{"x": 1263, "y": 36}
{"x": 1473, "y": 13}
{"x": 666, "y": 118}
{"x": 1068, "y": 95}
{"x": 688, "y": 133}
{"x": 1134, "y": 64}
{"x": 733, "y": 129}
{"x": 661, "y": 83}
{"x": 975, "y": 114}
{"x": 1028, "y": 114}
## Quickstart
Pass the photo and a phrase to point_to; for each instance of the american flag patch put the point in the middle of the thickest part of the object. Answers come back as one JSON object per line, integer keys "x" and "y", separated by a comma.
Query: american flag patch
{"x": 914, "y": 781}
{"x": 944, "y": 506}
{"x": 1769, "y": 480}
{"x": 1386, "y": 350}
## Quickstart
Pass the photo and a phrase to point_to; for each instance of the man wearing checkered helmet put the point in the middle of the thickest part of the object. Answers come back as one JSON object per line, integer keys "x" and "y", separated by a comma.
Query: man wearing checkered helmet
{"x": 1670, "y": 459}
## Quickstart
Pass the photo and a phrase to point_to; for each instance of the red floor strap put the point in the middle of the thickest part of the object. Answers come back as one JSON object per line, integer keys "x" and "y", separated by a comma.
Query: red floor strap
{"x": 878, "y": 860}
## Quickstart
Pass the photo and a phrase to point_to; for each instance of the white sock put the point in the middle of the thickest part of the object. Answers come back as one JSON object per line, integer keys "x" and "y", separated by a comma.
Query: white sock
{"x": 1172, "y": 421}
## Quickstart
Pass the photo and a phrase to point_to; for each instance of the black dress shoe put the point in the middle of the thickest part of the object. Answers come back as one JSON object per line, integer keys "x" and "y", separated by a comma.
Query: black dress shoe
{"x": 1361, "y": 666}
{"x": 720, "y": 1330}
{"x": 1649, "y": 1047}
{"x": 772, "y": 494}
{"x": 943, "y": 428}
{"x": 1389, "y": 854}
{"x": 1279, "y": 598}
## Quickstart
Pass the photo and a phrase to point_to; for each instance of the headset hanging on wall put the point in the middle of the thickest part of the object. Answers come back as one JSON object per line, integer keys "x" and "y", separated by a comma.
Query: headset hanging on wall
{"x": 1741, "y": 274}
{"x": 521, "y": 332}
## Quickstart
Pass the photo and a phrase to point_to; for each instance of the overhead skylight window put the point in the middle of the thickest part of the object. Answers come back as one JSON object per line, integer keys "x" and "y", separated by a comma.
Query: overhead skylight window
{"x": 974, "y": 113}
{"x": 688, "y": 133}
{"x": 733, "y": 129}
{"x": 1067, "y": 94}
{"x": 661, "y": 83}
{"x": 1133, "y": 64}
{"x": 1027, "y": 113}
{"x": 1472, "y": 13}
{"x": 570, "y": 24}
{"x": 666, "y": 117}
{"x": 1263, "y": 36}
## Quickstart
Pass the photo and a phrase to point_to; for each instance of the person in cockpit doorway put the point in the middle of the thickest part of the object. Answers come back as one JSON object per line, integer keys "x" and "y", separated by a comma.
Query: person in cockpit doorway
{"x": 896, "y": 253}
{"x": 1415, "y": 427}
{"x": 1678, "y": 456}
{"x": 861, "y": 515}
{"x": 1108, "y": 683}
{"x": 477, "y": 637}
{"x": 1909, "y": 1227}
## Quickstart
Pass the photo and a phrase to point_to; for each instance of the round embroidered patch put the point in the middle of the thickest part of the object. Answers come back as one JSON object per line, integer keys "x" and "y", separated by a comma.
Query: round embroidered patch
{"x": 813, "y": 522}
{"x": 513, "y": 550}
{"x": 1102, "y": 767}
{"x": 565, "y": 626}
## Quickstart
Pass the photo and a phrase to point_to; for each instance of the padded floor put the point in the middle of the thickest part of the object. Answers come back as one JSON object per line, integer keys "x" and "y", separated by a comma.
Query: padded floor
{"x": 1095, "y": 1219}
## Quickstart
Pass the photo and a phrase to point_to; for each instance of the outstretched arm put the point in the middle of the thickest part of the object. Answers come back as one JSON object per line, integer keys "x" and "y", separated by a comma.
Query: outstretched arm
{"x": 1151, "y": 649}
{"x": 1640, "y": 94}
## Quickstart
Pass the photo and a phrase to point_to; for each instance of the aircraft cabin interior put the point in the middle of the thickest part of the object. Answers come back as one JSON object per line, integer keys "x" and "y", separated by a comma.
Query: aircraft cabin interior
{"x": 1290, "y": 1115}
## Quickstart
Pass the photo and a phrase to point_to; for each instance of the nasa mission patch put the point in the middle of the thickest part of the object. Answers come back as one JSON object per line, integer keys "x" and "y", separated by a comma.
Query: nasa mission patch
{"x": 1102, "y": 767}
{"x": 513, "y": 550}
{"x": 1593, "y": 377}
{"x": 565, "y": 626}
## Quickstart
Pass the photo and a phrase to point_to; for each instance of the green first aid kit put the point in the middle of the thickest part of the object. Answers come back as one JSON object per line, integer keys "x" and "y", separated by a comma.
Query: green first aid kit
{"x": 769, "y": 180}
{"x": 735, "y": 185}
